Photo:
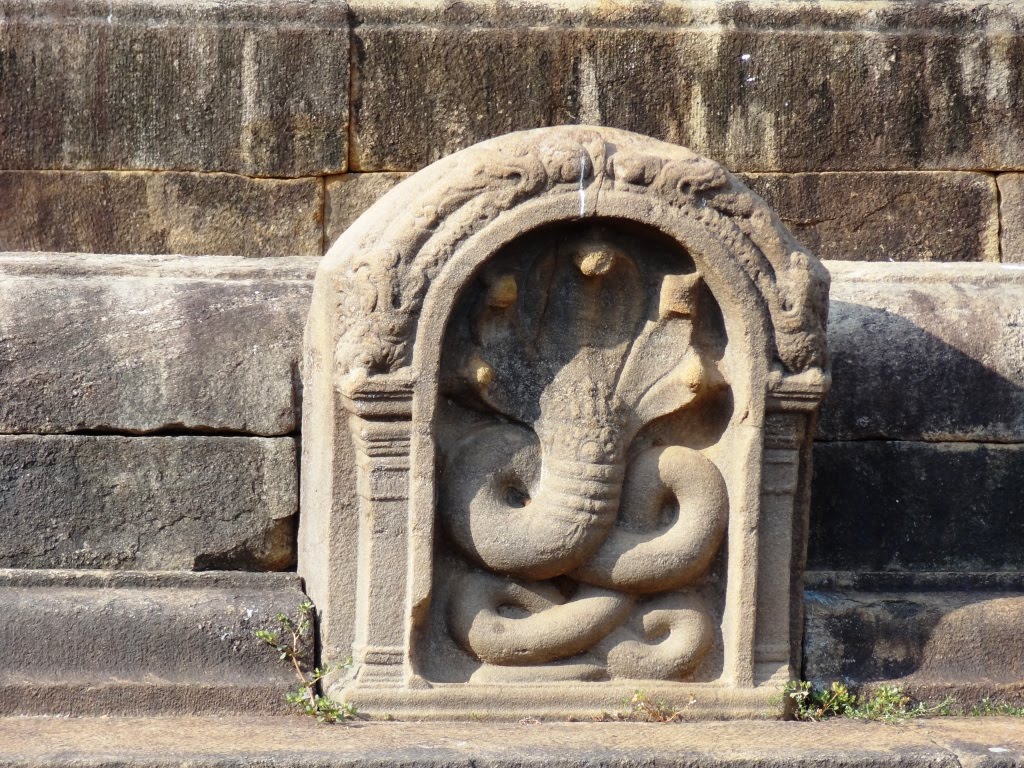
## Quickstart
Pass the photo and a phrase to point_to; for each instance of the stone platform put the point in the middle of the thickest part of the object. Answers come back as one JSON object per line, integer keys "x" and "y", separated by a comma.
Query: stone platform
{"x": 31, "y": 742}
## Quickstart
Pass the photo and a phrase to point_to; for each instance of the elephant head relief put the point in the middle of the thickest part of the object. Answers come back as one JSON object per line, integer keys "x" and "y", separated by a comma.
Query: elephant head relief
{"x": 559, "y": 393}
{"x": 580, "y": 537}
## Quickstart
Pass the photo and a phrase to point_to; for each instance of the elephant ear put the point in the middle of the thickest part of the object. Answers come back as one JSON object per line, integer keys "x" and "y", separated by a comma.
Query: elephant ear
{"x": 654, "y": 381}
{"x": 685, "y": 383}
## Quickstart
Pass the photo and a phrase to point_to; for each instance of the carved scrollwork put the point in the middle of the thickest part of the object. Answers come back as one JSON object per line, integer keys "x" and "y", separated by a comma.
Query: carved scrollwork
{"x": 466, "y": 192}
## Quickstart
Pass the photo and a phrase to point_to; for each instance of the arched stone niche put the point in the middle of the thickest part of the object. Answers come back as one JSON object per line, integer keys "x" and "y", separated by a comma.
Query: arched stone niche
{"x": 559, "y": 394}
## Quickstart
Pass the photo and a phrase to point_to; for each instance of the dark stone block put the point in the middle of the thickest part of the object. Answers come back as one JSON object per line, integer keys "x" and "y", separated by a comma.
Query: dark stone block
{"x": 894, "y": 216}
{"x": 158, "y": 503}
{"x": 925, "y": 352}
{"x": 935, "y": 645}
{"x": 892, "y": 506}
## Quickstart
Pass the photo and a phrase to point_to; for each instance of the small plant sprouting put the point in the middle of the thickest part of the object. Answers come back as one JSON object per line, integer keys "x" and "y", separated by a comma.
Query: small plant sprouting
{"x": 289, "y": 642}
{"x": 640, "y": 708}
{"x": 886, "y": 703}
{"x": 643, "y": 708}
{"x": 811, "y": 703}
{"x": 987, "y": 707}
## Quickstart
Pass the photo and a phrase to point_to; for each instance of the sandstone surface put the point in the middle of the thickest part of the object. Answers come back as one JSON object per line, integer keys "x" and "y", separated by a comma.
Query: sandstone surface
{"x": 1011, "y": 216}
{"x": 133, "y": 344}
{"x": 894, "y": 216}
{"x": 879, "y": 216}
{"x": 103, "y": 643}
{"x": 240, "y": 86}
{"x": 926, "y": 352}
{"x": 84, "y": 501}
{"x": 301, "y": 743}
{"x": 146, "y": 212}
{"x": 757, "y": 86}
{"x": 348, "y": 195}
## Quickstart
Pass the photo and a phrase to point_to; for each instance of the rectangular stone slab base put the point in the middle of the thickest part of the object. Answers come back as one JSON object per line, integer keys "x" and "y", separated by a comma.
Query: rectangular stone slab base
{"x": 79, "y": 642}
{"x": 300, "y": 742}
{"x": 563, "y": 701}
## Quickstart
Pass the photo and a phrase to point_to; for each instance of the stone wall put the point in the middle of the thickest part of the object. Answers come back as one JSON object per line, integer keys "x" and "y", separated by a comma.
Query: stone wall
{"x": 149, "y": 403}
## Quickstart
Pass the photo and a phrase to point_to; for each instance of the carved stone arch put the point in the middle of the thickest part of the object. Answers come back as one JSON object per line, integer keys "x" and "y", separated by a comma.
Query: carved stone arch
{"x": 400, "y": 244}
{"x": 403, "y": 420}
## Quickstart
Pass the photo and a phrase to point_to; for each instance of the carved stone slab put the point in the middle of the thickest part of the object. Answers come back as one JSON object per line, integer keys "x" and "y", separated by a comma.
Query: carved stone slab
{"x": 559, "y": 394}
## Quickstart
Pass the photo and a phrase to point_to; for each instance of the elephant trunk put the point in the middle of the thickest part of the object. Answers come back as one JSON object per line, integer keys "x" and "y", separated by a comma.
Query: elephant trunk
{"x": 528, "y": 516}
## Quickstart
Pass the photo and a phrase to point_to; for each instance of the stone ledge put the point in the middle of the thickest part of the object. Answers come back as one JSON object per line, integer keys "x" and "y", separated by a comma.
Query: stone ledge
{"x": 216, "y": 342}
{"x": 143, "y": 344}
{"x": 294, "y": 742}
{"x": 96, "y": 642}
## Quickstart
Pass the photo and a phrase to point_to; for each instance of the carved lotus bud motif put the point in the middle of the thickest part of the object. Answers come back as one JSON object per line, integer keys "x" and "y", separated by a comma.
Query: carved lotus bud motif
{"x": 569, "y": 377}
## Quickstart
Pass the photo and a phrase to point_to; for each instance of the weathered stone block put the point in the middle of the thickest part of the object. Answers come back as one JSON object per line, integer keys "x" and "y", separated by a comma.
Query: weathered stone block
{"x": 529, "y": 378}
{"x": 140, "y": 344}
{"x": 103, "y": 643}
{"x": 894, "y": 216}
{"x": 348, "y": 195}
{"x": 242, "y": 86}
{"x": 887, "y": 216}
{"x": 926, "y": 352}
{"x": 147, "y": 502}
{"x": 241, "y": 742}
{"x": 757, "y": 86}
{"x": 298, "y": 742}
{"x": 938, "y": 644}
{"x": 1011, "y": 216}
{"x": 894, "y": 506}
{"x": 144, "y": 212}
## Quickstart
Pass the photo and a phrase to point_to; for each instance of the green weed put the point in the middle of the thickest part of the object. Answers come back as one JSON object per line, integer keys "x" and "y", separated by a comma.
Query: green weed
{"x": 886, "y": 703}
{"x": 290, "y": 642}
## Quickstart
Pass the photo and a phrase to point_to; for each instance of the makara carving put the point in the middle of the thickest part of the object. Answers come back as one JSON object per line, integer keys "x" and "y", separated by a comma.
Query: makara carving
{"x": 559, "y": 392}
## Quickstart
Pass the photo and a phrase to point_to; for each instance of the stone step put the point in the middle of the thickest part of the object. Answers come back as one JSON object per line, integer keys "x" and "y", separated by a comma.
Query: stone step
{"x": 296, "y": 742}
{"x": 108, "y": 642}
